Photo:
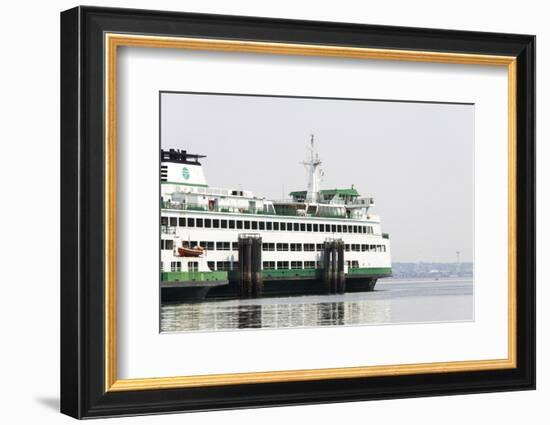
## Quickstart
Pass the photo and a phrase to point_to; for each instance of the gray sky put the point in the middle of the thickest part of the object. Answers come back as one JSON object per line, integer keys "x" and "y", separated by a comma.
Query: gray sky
{"x": 415, "y": 159}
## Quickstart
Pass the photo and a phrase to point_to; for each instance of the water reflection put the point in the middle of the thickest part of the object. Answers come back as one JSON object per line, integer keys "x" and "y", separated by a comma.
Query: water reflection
{"x": 275, "y": 313}
{"x": 392, "y": 302}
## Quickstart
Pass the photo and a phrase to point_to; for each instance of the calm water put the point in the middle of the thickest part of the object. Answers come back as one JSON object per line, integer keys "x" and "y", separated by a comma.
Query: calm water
{"x": 393, "y": 301}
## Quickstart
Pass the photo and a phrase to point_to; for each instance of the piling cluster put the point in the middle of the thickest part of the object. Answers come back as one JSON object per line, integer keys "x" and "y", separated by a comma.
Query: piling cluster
{"x": 250, "y": 266}
{"x": 334, "y": 278}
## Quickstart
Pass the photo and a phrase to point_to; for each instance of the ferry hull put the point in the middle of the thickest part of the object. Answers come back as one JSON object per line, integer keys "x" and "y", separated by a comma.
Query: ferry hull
{"x": 274, "y": 287}
{"x": 188, "y": 291}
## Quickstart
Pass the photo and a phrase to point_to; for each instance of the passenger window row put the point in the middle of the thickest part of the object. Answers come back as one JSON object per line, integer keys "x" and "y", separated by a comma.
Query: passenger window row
{"x": 168, "y": 244}
{"x": 215, "y": 223}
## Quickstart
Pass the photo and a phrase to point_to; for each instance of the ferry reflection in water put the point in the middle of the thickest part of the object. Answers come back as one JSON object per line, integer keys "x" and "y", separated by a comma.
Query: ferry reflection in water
{"x": 393, "y": 302}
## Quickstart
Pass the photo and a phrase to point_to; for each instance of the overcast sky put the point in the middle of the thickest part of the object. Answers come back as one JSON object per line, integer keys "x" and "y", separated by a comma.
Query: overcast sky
{"x": 415, "y": 159}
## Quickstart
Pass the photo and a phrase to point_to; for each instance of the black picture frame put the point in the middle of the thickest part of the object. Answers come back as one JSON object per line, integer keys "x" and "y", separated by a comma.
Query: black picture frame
{"x": 83, "y": 392}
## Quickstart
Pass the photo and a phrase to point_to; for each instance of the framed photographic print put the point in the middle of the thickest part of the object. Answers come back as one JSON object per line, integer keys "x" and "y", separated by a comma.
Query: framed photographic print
{"x": 261, "y": 212}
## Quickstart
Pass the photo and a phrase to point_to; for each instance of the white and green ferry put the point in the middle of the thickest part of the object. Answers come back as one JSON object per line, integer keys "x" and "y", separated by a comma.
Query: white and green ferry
{"x": 218, "y": 242}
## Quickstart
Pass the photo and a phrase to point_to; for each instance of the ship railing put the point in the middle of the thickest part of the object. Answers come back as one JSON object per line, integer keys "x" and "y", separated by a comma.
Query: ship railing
{"x": 293, "y": 213}
{"x": 285, "y": 201}
{"x": 368, "y": 201}
{"x": 186, "y": 206}
{"x": 335, "y": 201}
{"x": 171, "y": 205}
{"x": 283, "y": 212}
{"x": 332, "y": 215}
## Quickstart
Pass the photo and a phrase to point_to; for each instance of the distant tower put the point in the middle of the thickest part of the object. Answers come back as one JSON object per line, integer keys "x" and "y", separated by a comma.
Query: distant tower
{"x": 314, "y": 171}
{"x": 458, "y": 263}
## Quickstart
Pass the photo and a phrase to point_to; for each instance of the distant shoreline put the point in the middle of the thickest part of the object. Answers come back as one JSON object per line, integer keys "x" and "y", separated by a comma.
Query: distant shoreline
{"x": 429, "y": 270}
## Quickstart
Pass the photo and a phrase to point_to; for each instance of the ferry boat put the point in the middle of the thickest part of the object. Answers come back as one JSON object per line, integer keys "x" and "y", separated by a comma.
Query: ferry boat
{"x": 218, "y": 242}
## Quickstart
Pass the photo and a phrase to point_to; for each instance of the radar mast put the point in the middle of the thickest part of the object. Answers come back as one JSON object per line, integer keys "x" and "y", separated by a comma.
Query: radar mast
{"x": 314, "y": 172}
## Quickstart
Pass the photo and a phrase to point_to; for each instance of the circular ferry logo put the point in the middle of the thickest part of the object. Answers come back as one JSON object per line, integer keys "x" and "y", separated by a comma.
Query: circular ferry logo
{"x": 185, "y": 173}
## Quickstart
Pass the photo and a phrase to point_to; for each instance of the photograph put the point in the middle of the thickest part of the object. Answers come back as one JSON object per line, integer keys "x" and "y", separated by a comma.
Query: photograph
{"x": 292, "y": 212}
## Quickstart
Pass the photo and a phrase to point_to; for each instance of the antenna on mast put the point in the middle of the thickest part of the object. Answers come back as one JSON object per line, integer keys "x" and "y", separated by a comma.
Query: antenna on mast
{"x": 312, "y": 167}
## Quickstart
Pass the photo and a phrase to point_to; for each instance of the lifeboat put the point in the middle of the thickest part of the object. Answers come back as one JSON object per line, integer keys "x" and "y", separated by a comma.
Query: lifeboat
{"x": 191, "y": 252}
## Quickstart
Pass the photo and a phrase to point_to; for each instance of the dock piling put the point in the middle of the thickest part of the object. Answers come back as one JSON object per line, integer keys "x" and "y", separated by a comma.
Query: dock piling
{"x": 341, "y": 287}
{"x": 257, "y": 280}
{"x": 250, "y": 266}
{"x": 326, "y": 267}
{"x": 334, "y": 268}
{"x": 334, "y": 279}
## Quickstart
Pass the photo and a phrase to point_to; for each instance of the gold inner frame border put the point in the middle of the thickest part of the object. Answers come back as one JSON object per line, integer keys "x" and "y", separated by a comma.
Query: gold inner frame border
{"x": 113, "y": 40}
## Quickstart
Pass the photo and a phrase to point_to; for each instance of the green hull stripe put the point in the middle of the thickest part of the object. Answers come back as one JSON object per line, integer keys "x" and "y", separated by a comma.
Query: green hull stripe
{"x": 370, "y": 271}
{"x": 268, "y": 273}
{"x": 193, "y": 276}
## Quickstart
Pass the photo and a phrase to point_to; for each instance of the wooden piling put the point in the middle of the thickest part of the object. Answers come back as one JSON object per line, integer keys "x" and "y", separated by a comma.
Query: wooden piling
{"x": 248, "y": 270}
{"x": 326, "y": 267}
{"x": 334, "y": 278}
{"x": 334, "y": 268}
{"x": 257, "y": 280}
{"x": 341, "y": 274}
{"x": 241, "y": 288}
{"x": 250, "y": 266}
